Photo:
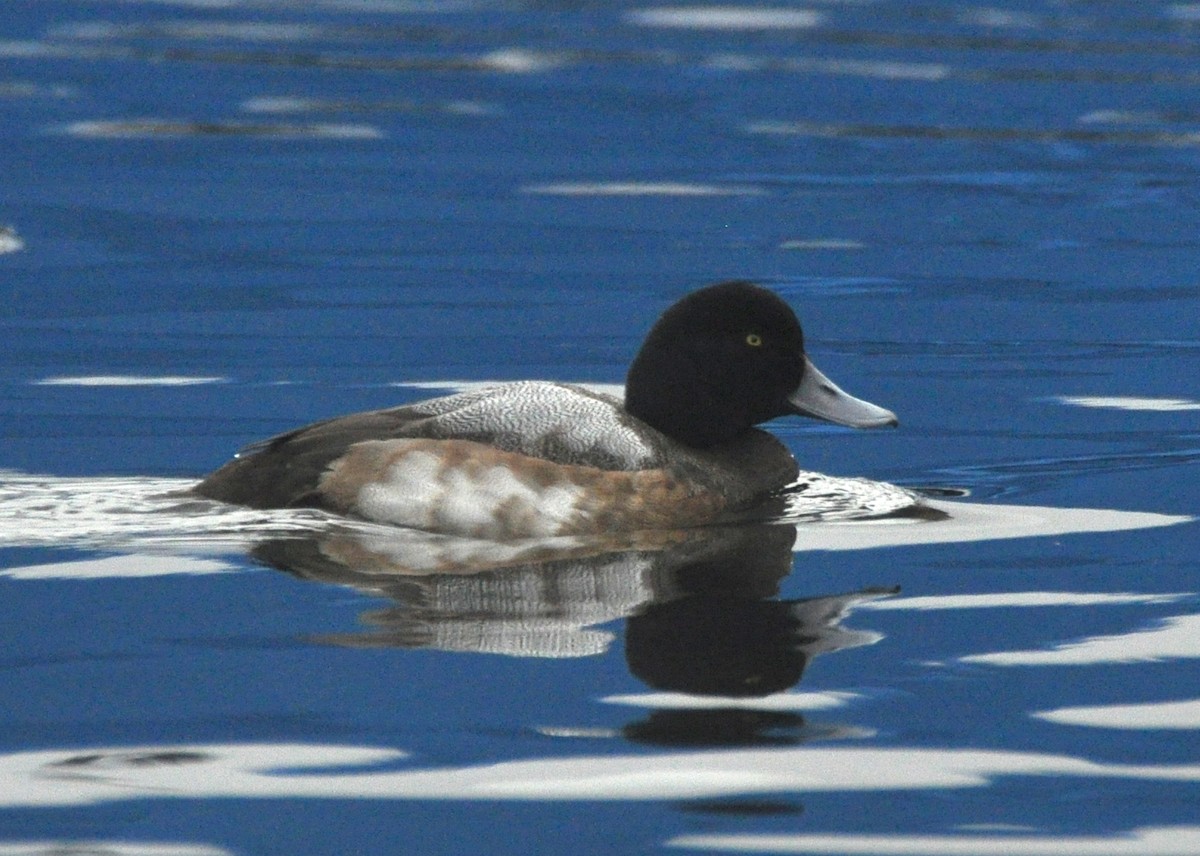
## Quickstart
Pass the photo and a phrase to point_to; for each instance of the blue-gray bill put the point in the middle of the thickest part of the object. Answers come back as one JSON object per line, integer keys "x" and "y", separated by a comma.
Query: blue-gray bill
{"x": 819, "y": 397}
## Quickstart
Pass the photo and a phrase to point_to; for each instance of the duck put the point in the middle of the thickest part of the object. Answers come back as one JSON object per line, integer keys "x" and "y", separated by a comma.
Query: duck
{"x": 543, "y": 459}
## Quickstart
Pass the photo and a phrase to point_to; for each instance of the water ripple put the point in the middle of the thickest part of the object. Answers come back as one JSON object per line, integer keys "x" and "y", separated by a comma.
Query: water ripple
{"x": 870, "y": 130}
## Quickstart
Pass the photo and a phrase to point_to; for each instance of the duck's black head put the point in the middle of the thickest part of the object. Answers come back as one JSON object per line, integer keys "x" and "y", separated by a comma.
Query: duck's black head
{"x": 728, "y": 357}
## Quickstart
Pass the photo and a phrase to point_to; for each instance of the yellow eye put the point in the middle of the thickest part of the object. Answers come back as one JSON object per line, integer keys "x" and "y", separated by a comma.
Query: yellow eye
{"x": 754, "y": 340}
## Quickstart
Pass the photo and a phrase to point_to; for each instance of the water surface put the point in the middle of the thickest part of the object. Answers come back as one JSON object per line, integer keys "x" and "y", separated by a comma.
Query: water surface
{"x": 222, "y": 220}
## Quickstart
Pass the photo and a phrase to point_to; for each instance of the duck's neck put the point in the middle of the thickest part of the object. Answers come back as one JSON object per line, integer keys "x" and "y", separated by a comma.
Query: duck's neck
{"x": 680, "y": 405}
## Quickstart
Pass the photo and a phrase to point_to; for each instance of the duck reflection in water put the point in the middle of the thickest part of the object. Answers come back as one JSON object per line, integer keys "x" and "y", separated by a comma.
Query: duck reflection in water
{"x": 699, "y": 604}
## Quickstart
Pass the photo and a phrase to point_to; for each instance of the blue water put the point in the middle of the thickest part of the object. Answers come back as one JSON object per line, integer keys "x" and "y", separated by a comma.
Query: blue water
{"x": 227, "y": 219}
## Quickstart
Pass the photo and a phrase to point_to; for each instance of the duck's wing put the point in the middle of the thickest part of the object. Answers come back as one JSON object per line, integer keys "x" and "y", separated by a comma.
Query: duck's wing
{"x": 561, "y": 423}
{"x": 281, "y": 471}
{"x": 553, "y": 422}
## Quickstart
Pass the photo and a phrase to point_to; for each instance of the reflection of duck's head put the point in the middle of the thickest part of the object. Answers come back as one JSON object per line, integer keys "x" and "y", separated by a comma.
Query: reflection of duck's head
{"x": 713, "y": 644}
{"x": 710, "y": 645}
{"x": 538, "y": 459}
{"x": 726, "y": 358}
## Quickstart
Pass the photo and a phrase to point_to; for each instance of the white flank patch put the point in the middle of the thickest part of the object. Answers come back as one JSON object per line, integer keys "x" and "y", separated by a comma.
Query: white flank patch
{"x": 405, "y": 494}
{"x": 420, "y": 492}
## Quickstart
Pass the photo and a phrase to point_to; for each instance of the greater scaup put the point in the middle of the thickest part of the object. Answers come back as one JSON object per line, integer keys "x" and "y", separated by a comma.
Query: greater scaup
{"x": 536, "y": 459}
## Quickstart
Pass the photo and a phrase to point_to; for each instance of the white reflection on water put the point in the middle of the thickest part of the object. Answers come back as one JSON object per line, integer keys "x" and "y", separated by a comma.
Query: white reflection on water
{"x": 778, "y": 701}
{"x": 142, "y": 513}
{"x": 1005, "y": 600}
{"x": 72, "y": 777}
{"x": 865, "y": 130}
{"x": 10, "y": 241}
{"x": 285, "y": 104}
{"x": 822, "y": 244}
{"x": 1177, "y": 637}
{"x": 641, "y": 188}
{"x": 381, "y": 6}
{"x": 107, "y": 848}
{"x": 127, "y": 565}
{"x": 127, "y": 380}
{"x": 1129, "y": 402}
{"x": 878, "y": 69}
{"x": 157, "y": 127}
{"x": 970, "y": 521}
{"x": 1175, "y": 715}
{"x": 725, "y": 18}
{"x": 255, "y": 31}
{"x": 1156, "y": 840}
